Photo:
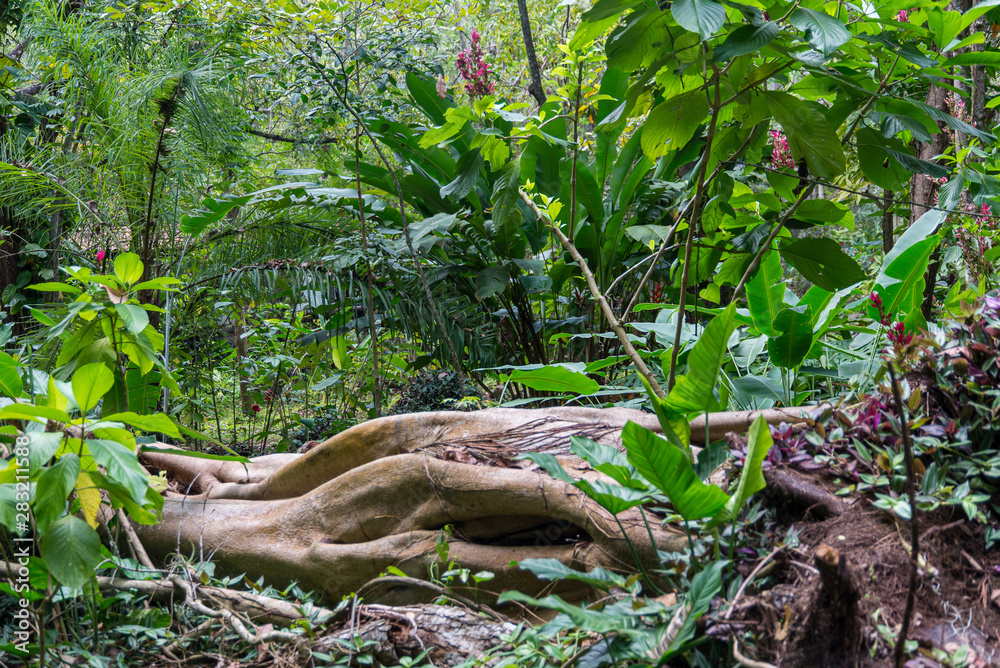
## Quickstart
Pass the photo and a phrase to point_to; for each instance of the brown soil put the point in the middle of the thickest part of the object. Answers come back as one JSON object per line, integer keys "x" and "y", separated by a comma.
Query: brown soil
{"x": 794, "y": 621}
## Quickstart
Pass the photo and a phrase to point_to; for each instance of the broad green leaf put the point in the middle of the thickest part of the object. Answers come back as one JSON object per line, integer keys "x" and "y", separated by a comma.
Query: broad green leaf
{"x": 506, "y": 194}
{"x": 606, "y": 459}
{"x": 468, "y": 172}
{"x": 675, "y": 426}
{"x": 825, "y": 212}
{"x": 823, "y": 31}
{"x": 128, "y": 268}
{"x": 553, "y": 569}
{"x": 55, "y": 287}
{"x": 791, "y": 347}
{"x": 177, "y": 452}
{"x": 54, "y": 485}
{"x": 974, "y": 58}
{"x": 121, "y": 464}
{"x": 492, "y": 281}
{"x": 423, "y": 90}
{"x": 155, "y": 423}
{"x": 944, "y": 25}
{"x": 744, "y": 40}
{"x": 920, "y": 230}
{"x": 822, "y": 262}
{"x": 592, "y": 621}
{"x": 906, "y": 273}
{"x": 705, "y": 586}
{"x": 809, "y": 134}
{"x": 766, "y": 293}
{"x": 704, "y": 17}
{"x": 612, "y": 498}
{"x": 643, "y": 34}
{"x": 555, "y": 378}
{"x": 672, "y": 124}
{"x": 759, "y": 443}
{"x": 873, "y": 159}
{"x": 669, "y": 469}
{"x": 72, "y": 550}
{"x": 32, "y": 412}
{"x": 694, "y": 391}
{"x": 90, "y": 383}
{"x": 134, "y": 317}
{"x": 10, "y": 380}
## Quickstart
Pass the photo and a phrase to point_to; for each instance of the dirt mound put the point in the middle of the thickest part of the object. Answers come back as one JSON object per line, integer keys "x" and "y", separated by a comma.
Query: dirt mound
{"x": 836, "y": 598}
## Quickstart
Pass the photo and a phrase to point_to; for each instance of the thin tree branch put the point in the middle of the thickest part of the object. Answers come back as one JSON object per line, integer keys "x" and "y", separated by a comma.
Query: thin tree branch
{"x": 290, "y": 140}
{"x": 596, "y": 292}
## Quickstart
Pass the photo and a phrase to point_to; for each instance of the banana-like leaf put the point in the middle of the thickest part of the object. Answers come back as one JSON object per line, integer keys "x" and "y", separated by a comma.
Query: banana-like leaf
{"x": 694, "y": 392}
{"x": 759, "y": 443}
{"x": 670, "y": 470}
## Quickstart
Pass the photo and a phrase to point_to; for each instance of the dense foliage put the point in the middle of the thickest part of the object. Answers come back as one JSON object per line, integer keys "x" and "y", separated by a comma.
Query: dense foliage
{"x": 249, "y": 225}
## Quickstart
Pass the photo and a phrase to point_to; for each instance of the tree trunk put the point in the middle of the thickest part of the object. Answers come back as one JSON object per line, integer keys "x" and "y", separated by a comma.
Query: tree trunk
{"x": 535, "y": 88}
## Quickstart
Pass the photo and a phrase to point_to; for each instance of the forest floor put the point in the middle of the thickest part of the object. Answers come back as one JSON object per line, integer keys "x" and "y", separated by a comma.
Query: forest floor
{"x": 798, "y": 621}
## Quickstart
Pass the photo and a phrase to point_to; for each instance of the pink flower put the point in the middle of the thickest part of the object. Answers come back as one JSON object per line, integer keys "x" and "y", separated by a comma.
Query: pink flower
{"x": 100, "y": 256}
{"x": 903, "y": 16}
{"x": 473, "y": 68}
{"x": 781, "y": 154}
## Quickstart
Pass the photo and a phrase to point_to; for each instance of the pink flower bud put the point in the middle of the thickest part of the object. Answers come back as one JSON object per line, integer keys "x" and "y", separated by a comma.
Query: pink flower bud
{"x": 100, "y": 256}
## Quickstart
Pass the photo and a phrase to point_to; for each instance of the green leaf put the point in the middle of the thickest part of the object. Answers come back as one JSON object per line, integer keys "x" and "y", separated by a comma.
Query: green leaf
{"x": 10, "y": 380}
{"x": 766, "y": 293}
{"x": 90, "y": 383}
{"x": 918, "y": 231}
{"x": 122, "y": 466}
{"x": 809, "y": 134}
{"x": 705, "y": 586}
{"x": 873, "y": 158}
{"x": 55, "y": 287}
{"x": 128, "y": 268}
{"x": 492, "y": 281}
{"x": 672, "y": 124}
{"x": 72, "y": 551}
{"x": 32, "y": 412}
{"x": 823, "y": 31}
{"x": 673, "y": 423}
{"x": 133, "y": 317}
{"x": 759, "y": 443}
{"x": 592, "y": 621}
{"x": 54, "y": 485}
{"x": 902, "y": 283}
{"x": 669, "y": 469}
{"x": 555, "y": 378}
{"x": 745, "y": 40}
{"x": 155, "y": 423}
{"x": 553, "y": 569}
{"x": 423, "y": 90}
{"x": 944, "y": 25}
{"x": 612, "y": 498}
{"x": 468, "y": 172}
{"x": 506, "y": 194}
{"x": 704, "y": 17}
{"x": 789, "y": 349}
{"x": 643, "y": 34}
{"x": 918, "y": 166}
{"x": 694, "y": 391}
{"x": 822, "y": 262}
{"x": 825, "y": 212}
{"x": 212, "y": 212}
